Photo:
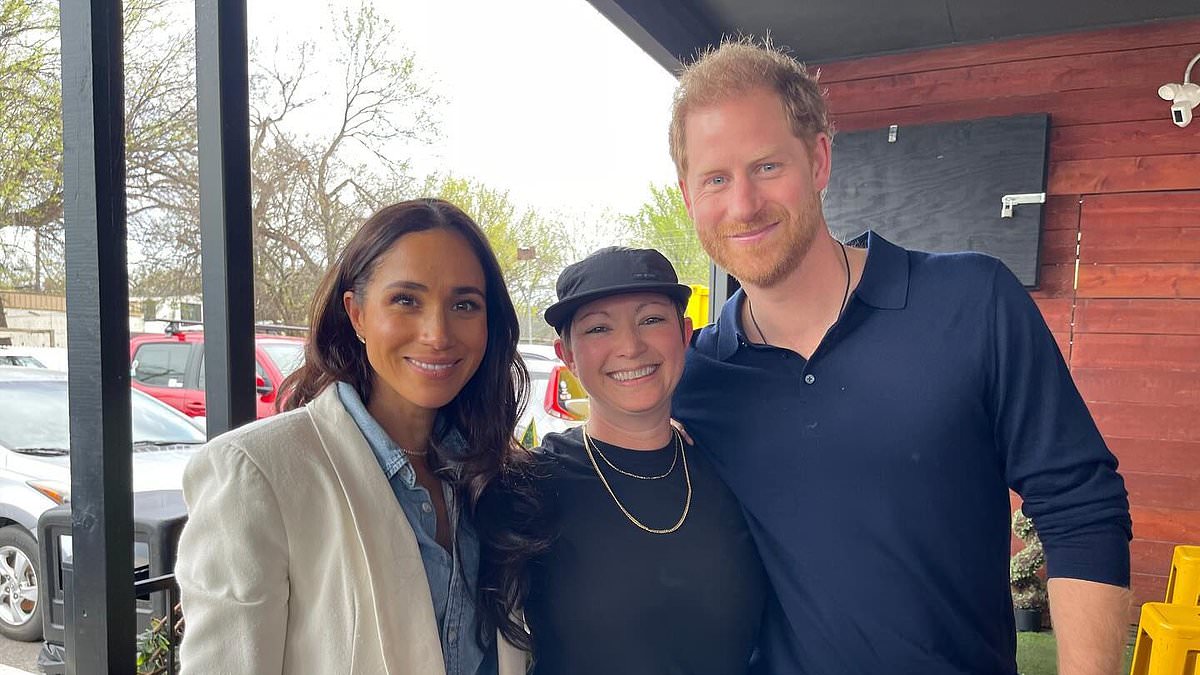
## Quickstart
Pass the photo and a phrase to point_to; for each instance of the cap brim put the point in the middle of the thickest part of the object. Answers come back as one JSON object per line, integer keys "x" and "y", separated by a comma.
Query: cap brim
{"x": 558, "y": 314}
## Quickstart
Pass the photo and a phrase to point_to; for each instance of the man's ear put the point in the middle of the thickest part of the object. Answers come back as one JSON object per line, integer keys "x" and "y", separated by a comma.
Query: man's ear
{"x": 688, "y": 329}
{"x": 353, "y": 310}
{"x": 822, "y": 160}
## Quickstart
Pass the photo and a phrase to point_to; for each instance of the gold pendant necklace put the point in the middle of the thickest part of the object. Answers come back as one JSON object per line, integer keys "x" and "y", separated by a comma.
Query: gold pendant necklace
{"x": 687, "y": 477}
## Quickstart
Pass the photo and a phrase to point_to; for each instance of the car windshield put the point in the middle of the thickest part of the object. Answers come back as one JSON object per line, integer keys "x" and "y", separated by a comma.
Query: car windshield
{"x": 33, "y": 414}
{"x": 288, "y": 356}
{"x": 20, "y": 360}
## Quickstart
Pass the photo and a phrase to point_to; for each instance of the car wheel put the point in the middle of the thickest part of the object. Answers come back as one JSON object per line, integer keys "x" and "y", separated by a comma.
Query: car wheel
{"x": 20, "y": 605}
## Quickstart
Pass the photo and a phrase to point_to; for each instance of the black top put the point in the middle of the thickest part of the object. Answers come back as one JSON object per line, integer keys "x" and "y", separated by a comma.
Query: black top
{"x": 608, "y": 597}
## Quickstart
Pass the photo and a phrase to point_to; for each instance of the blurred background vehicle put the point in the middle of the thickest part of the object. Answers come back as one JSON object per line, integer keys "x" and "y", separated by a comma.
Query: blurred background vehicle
{"x": 35, "y": 452}
{"x": 557, "y": 401}
{"x": 170, "y": 367}
{"x": 54, "y": 358}
{"x": 17, "y": 356}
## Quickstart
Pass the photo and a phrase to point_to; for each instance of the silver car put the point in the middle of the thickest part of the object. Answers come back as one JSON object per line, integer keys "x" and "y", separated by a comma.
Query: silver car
{"x": 35, "y": 475}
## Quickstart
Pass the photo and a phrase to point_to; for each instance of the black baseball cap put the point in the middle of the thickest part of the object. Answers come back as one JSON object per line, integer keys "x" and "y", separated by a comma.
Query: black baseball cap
{"x": 613, "y": 270}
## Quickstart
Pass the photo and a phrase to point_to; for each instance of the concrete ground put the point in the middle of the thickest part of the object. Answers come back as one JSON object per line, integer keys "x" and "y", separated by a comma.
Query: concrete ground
{"x": 18, "y": 658}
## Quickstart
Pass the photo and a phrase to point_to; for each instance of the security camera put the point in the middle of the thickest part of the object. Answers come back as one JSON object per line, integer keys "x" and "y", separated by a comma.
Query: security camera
{"x": 1183, "y": 98}
{"x": 1181, "y": 114}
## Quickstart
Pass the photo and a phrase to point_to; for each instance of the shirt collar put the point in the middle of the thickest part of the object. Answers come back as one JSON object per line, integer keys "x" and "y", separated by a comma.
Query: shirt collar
{"x": 729, "y": 330}
{"x": 884, "y": 285}
{"x": 450, "y": 442}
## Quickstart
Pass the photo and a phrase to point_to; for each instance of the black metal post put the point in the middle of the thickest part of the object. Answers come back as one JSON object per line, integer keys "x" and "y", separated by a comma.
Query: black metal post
{"x": 227, "y": 256}
{"x": 102, "y": 607}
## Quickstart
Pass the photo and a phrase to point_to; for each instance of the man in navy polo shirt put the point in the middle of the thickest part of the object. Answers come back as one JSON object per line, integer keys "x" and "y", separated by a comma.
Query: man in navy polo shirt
{"x": 872, "y": 406}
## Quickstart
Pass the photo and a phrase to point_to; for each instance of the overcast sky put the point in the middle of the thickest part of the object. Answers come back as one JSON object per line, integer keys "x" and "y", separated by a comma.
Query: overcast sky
{"x": 544, "y": 98}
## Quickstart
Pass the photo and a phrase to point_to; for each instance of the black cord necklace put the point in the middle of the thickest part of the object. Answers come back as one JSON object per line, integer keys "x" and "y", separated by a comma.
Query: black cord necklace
{"x": 845, "y": 299}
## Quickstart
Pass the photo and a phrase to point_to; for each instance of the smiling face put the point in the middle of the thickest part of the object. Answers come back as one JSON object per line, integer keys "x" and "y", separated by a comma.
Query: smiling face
{"x": 423, "y": 317}
{"x": 628, "y": 352}
{"x": 752, "y": 187}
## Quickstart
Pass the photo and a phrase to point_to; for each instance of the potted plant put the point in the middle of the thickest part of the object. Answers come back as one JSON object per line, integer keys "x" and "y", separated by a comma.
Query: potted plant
{"x": 1028, "y": 589}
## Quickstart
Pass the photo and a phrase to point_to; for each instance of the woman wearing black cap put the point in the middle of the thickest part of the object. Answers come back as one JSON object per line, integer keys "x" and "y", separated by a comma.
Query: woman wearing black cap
{"x": 622, "y": 550}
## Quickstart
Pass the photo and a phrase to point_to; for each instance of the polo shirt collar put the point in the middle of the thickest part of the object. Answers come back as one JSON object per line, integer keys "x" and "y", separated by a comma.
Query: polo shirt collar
{"x": 884, "y": 285}
{"x": 729, "y": 331}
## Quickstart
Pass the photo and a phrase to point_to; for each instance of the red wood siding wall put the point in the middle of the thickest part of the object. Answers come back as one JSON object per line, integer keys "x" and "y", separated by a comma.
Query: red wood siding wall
{"x": 1124, "y": 184}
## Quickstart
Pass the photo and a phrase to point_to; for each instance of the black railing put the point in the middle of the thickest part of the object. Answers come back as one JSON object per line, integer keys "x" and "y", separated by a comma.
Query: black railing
{"x": 154, "y": 619}
{"x": 158, "y": 646}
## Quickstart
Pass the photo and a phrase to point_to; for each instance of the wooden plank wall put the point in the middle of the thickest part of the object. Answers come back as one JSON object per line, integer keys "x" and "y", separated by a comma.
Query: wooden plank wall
{"x": 1123, "y": 198}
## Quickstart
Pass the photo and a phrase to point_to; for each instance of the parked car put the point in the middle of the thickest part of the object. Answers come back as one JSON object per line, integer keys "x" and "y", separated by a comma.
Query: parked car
{"x": 16, "y": 356}
{"x": 170, "y": 367}
{"x": 35, "y": 453}
{"x": 557, "y": 401}
{"x": 54, "y": 358}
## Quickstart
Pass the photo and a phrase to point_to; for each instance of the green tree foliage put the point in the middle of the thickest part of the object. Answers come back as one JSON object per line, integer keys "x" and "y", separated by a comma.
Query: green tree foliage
{"x": 160, "y": 123}
{"x": 313, "y": 188}
{"x": 30, "y": 140}
{"x": 328, "y": 137}
{"x": 1028, "y": 589}
{"x": 531, "y": 248}
{"x": 330, "y": 133}
{"x": 663, "y": 223}
{"x": 327, "y": 142}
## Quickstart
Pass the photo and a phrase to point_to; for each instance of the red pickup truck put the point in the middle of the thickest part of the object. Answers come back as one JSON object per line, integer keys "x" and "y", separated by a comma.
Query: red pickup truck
{"x": 170, "y": 367}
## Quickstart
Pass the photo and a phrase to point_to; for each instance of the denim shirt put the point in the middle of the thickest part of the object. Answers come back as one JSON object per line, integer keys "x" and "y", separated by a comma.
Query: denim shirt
{"x": 453, "y": 601}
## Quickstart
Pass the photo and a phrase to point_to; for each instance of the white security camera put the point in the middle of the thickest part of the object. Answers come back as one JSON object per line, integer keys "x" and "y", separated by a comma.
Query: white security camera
{"x": 1183, "y": 97}
{"x": 1181, "y": 113}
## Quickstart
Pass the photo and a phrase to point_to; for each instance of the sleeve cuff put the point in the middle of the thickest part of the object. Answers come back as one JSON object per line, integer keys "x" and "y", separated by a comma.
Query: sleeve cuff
{"x": 1100, "y": 555}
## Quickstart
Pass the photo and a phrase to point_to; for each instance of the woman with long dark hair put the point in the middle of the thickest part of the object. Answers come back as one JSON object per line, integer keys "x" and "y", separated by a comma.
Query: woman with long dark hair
{"x": 337, "y": 536}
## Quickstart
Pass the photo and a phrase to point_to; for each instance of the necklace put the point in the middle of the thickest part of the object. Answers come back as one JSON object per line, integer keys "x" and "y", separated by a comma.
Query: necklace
{"x": 845, "y": 299}
{"x": 687, "y": 477}
{"x": 623, "y": 472}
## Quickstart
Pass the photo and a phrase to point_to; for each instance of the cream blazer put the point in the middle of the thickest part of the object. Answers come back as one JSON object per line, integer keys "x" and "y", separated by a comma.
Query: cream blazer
{"x": 297, "y": 558}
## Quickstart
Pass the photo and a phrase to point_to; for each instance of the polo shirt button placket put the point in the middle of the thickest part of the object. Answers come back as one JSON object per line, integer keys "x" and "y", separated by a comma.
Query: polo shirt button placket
{"x": 810, "y": 379}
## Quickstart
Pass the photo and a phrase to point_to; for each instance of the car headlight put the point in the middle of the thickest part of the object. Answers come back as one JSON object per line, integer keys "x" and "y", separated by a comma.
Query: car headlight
{"x": 55, "y": 491}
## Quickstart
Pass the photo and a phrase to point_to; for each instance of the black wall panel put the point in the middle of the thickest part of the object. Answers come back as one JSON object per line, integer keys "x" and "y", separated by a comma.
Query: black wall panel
{"x": 938, "y": 187}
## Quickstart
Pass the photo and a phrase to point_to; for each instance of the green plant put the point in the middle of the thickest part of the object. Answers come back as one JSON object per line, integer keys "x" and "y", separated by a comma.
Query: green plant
{"x": 1028, "y": 589}
{"x": 153, "y": 648}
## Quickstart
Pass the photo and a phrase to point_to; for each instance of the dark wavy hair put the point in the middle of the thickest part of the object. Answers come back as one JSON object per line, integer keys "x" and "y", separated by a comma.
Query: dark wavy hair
{"x": 515, "y": 525}
{"x": 487, "y": 408}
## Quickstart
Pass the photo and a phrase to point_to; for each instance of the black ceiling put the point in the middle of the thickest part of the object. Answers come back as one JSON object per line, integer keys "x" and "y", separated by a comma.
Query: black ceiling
{"x": 830, "y": 30}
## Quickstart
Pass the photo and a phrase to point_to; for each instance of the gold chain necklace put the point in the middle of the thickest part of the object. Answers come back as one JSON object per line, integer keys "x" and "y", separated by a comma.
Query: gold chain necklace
{"x": 623, "y": 472}
{"x": 687, "y": 477}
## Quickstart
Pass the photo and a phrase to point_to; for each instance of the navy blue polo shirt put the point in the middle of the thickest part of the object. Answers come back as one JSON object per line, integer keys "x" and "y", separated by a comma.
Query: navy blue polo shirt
{"x": 875, "y": 474}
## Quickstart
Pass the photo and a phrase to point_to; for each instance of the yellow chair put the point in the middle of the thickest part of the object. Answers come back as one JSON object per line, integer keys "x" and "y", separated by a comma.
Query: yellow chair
{"x": 1168, "y": 640}
{"x": 697, "y": 307}
{"x": 1183, "y": 586}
